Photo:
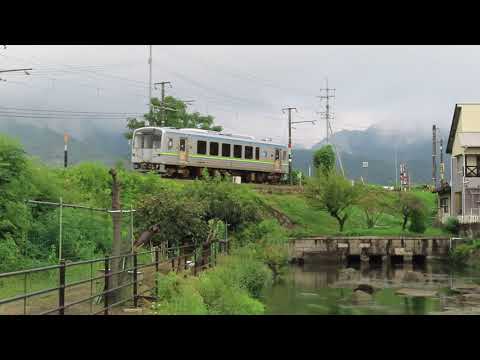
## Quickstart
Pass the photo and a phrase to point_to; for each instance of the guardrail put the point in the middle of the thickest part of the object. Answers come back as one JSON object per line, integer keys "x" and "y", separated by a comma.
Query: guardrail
{"x": 187, "y": 257}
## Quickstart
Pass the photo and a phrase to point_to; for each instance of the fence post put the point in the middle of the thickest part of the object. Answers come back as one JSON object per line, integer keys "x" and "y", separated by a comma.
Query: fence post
{"x": 185, "y": 257}
{"x": 60, "y": 234}
{"x": 156, "y": 271}
{"x": 194, "y": 260}
{"x": 61, "y": 288}
{"x": 135, "y": 284}
{"x": 106, "y": 287}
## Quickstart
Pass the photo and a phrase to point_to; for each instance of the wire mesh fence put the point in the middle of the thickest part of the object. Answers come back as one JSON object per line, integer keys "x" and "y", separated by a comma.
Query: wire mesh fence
{"x": 87, "y": 286}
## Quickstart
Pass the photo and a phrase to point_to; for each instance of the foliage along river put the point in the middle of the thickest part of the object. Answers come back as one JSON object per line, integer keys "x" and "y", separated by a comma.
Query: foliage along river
{"x": 329, "y": 290}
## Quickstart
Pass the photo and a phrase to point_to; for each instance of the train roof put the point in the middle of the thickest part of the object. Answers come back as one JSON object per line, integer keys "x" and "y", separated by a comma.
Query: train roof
{"x": 213, "y": 134}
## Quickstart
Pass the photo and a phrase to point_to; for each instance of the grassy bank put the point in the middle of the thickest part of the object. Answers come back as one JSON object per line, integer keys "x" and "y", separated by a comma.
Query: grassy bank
{"x": 311, "y": 221}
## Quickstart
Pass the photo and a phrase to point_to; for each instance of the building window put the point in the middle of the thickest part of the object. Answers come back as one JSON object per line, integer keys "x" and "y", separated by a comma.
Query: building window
{"x": 214, "y": 148}
{"x": 201, "y": 147}
{"x": 257, "y": 153}
{"x": 226, "y": 150}
{"x": 444, "y": 205}
{"x": 248, "y": 152}
{"x": 237, "y": 151}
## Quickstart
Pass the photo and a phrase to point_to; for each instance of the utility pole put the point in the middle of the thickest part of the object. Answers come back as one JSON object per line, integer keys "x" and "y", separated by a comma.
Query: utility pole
{"x": 65, "y": 151}
{"x": 162, "y": 83}
{"x": 150, "y": 85}
{"x": 396, "y": 167}
{"x": 290, "y": 122}
{"x": 434, "y": 155}
{"x": 289, "y": 109}
{"x": 329, "y": 94}
{"x": 442, "y": 164}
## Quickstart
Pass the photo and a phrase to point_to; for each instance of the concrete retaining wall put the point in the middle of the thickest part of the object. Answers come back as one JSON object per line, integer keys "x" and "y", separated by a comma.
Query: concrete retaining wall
{"x": 319, "y": 249}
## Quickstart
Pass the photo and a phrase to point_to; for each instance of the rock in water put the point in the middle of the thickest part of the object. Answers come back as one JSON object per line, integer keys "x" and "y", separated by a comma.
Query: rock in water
{"x": 416, "y": 292}
{"x": 365, "y": 288}
{"x": 348, "y": 273}
{"x": 361, "y": 297}
{"x": 413, "y": 276}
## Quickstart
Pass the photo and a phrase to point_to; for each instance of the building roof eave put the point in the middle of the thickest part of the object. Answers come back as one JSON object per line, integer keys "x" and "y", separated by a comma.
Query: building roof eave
{"x": 453, "y": 128}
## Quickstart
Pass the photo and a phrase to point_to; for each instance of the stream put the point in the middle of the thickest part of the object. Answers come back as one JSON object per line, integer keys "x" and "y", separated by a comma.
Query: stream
{"x": 393, "y": 289}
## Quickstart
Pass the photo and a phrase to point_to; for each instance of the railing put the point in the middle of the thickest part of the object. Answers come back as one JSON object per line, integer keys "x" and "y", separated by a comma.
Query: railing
{"x": 188, "y": 257}
{"x": 468, "y": 219}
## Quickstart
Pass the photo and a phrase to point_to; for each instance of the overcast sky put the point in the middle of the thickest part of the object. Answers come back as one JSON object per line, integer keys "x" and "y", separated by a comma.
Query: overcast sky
{"x": 246, "y": 87}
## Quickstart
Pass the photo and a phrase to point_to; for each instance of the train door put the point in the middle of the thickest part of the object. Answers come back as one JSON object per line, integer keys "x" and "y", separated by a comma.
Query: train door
{"x": 277, "y": 163}
{"x": 147, "y": 148}
{"x": 183, "y": 150}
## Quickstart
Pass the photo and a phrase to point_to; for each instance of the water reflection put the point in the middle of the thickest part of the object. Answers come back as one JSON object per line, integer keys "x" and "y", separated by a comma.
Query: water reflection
{"x": 324, "y": 289}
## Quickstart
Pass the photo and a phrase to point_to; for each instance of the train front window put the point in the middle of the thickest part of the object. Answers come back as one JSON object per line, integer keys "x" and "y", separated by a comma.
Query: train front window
{"x": 157, "y": 141}
{"x": 248, "y": 152}
{"x": 138, "y": 141}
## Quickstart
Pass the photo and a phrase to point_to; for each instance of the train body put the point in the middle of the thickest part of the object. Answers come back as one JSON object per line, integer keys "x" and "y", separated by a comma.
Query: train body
{"x": 186, "y": 152}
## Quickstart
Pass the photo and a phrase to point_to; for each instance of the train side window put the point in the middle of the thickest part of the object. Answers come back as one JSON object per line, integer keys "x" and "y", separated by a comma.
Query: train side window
{"x": 170, "y": 144}
{"x": 183, "y": 145}
{"x": 214, "y": 148}
{"x": 226, "y": 150}
{"x": 265, "y": 154}
{"x": 257, "y": 153}
{"x": 284, "y": 155}
{"x": 237, "y": 151}
{"x": 277, "y": 154}
{"x": 248, "y": 152}
{"x": 201, "y": 147}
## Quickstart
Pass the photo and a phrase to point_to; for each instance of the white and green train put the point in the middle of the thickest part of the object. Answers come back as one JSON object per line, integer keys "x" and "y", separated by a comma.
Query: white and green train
{"x": 186, "y": 152}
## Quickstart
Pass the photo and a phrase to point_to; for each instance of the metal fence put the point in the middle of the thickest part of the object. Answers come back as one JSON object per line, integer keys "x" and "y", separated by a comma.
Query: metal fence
{"x": 58, "y": 300}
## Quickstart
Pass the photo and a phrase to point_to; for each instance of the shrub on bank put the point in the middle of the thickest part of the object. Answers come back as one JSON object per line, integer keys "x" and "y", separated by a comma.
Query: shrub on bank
{"x": 452, "y": 225}
{"x": 232, "y": 288}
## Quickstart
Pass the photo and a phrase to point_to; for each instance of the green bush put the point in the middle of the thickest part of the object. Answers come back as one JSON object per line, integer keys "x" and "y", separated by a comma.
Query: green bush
{"x": 418, "y": 221}
{"x": 452, "y": 225}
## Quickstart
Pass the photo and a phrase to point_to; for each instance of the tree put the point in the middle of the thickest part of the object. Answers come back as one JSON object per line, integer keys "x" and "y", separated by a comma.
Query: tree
{"x": 408, "y": 204}
{"x": 334, "y": 193}
{"x": 324, "y": 159}
{"x": 374, "y": 202}
{"x": 179, "y": 117}
{"x": 172, "y": 218}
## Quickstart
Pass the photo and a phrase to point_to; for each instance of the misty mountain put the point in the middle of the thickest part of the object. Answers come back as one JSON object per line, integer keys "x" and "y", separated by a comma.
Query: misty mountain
{"x": 44, "y": 142}
{"x": 378, "y": 148}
